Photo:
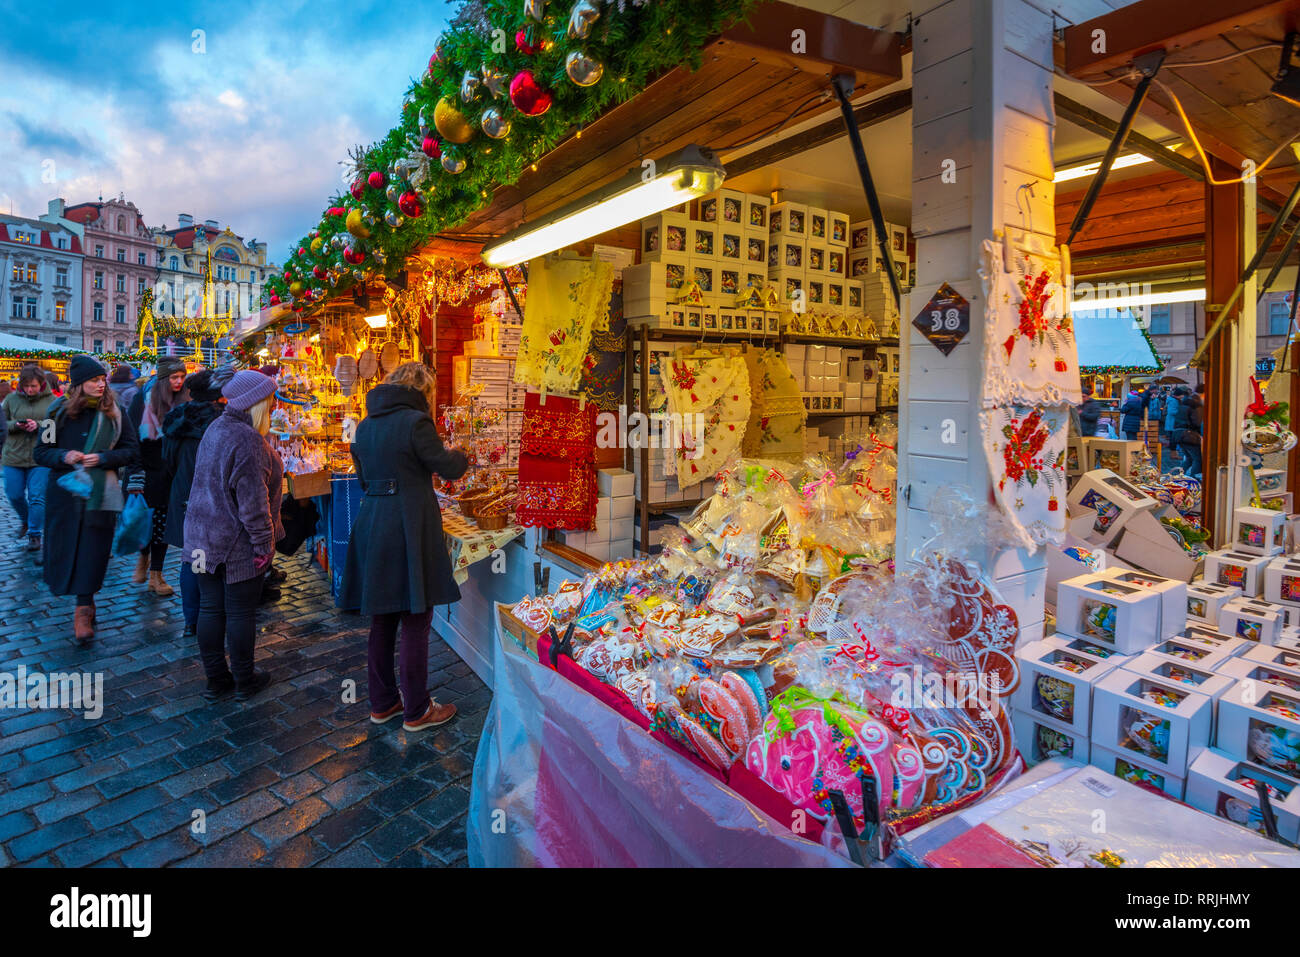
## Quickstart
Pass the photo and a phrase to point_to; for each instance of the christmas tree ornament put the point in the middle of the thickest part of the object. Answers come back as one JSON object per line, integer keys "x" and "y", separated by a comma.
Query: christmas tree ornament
{"x": 536, "y": 9}
{"x": 392, "y": 192}
{"x": 582, "y": 69}
{"x": 316, "y": 245}
{"x": 356, "y": 226}
{"x": 358, "y": 188}
{"x": 431, "y": 147}
{"x": 452, "y": 162}
{"x": 368, "y": 220}
{"x": 469, "y": 84}
{"x": 288, "y": 276}
{"x": 437, "y": 55}
{"x": 331, "y": 277}
{"x": 582, "y": 15}
{"x": 274, "y": 300}
{"x": 526, "y": 48}
{"x": 296, "y": 287}
{"x": 379, "y": 256}
{"x": 451, "y": 122}
{"x": 527, "y": 96}
{"x": 494, "y": 124}
{"x": 375, "y": 180}
{"x": 302, "y": 251}
{"x": 495, "y": 81}
{"x": 409, "y": 204}
{"x": 394, "y": 219}
{"x": 318, "y": 272}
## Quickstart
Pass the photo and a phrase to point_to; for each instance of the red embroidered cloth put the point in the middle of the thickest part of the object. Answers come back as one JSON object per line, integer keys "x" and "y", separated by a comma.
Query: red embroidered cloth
{"x": 557, "y": 464}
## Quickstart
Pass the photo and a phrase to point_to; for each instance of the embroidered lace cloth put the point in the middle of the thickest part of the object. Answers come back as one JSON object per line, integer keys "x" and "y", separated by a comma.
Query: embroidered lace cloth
{"x": 568, "y": 299}
{"x": 776, "y": 416}
{"x": 710, "y": 395}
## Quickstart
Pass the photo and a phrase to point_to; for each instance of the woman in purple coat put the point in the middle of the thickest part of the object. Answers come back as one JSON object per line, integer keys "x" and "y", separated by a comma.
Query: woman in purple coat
{"x": 232, "y": 523}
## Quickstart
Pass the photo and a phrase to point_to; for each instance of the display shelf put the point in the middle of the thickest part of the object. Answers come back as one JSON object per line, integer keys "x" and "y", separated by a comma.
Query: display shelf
{"x": 803, "y": 338}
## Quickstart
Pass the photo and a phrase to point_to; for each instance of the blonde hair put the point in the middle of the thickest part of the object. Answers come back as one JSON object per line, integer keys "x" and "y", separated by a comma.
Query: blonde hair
{"x": 261, "y": 414}
{"x": 417, "y": 376}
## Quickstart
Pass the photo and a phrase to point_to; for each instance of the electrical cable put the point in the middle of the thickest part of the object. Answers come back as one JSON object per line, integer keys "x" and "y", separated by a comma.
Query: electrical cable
{"x": 772, "y": 130}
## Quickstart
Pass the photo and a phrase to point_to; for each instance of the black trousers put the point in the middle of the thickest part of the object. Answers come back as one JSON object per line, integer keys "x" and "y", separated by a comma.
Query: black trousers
{"x": 227, "y": 620}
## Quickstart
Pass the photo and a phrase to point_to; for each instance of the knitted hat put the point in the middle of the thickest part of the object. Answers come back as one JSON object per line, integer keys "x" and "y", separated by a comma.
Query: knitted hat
{"x": 121, "y": 374}
{"x": 201, "y": 387}
{"x": 246, "y": 388}
{"x": 84, "y": 367}
{"x": 223, "y": 374}
{"x": 169, "y": 364}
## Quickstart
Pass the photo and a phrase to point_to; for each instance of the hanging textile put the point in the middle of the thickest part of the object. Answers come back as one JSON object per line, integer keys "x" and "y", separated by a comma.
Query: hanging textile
{"x": 709, "y": 396}
{"x": 568, "y": 299}
{"x": 602, "y": 366}
{"x": 776, "y": 417}
{"x": 557, "y": 463}
{"x": 1031, "y": 379}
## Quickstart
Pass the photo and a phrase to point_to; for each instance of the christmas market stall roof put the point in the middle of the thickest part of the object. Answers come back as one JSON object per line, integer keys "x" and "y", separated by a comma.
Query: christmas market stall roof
{"x": 23, "y": 344}
{"x": 1113, "y": 344}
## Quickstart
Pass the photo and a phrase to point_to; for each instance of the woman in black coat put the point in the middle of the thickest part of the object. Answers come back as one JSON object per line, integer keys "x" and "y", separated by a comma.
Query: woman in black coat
{"x": 92, "y": 431}
{"x": 397, "y": 565}
{"x": 1131, "y": 410}
{"x": 182, "y": 429}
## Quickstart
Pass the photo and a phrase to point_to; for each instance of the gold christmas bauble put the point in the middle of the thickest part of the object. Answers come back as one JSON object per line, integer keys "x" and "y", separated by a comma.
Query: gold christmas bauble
{"x": 316, "y": 245}
{"x": 451, "y": 122}
{"x": 355, "y": 225}
{"x": 296, "y": 288}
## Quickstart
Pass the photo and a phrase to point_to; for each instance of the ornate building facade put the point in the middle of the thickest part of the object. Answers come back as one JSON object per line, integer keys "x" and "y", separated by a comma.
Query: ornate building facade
{"x": 239, "y": 269}
{"x": 120, "y": 264}
{"x": 40, "y": 280}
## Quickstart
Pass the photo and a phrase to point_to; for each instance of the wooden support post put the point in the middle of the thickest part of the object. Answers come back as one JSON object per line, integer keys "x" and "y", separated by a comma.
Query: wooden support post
{"x": 1223, "y": 267}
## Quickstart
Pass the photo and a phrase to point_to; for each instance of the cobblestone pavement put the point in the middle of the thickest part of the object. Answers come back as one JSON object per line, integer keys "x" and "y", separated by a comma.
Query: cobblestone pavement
{"x": 293, "y": 777}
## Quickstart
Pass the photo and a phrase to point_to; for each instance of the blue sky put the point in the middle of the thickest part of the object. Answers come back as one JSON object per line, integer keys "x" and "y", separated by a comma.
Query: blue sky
{"x": 244, "y": 124}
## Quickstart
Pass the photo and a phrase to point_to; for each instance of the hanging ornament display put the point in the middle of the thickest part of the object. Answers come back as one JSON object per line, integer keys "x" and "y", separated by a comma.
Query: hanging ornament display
{"x": 451, "y": 122}
{"x": 582, "y": 69}
{"x": 469, "y": 87}
{"x": 581, "y": 17}
{"x": 431, "y": 147}
{"x": 527, "y": 95}
{"x": 375, "y": 180}
{"x": 495, "y": 81}
{"x": 355, "y": 224}
{"x": 536, "y": 9}
{"x": 494, "y": 124}
{"x": 526, "y": 48}
{"x": 409, "y": 204}
{"x": 394, "y": 219}
{"x": 452, "y": 162}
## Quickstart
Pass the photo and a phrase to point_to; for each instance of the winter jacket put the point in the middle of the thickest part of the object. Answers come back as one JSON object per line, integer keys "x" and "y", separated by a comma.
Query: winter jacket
{"x": 126, "y": 393}
{"x": 157, "y": 482}
{"x": 77, "y": 540}
{"x": 1190, "y": 420}
{"x": 19, "y": 443}
{"x": 234, "y": 502}
{"x": 397, "y": 558}
{"x": 1131, "y": 411}
{"x": 182, "y": 429}
{"x": 1154, "y": 401}
{"x": 1171, "y": 412}
{"x": 1089, "y": 413}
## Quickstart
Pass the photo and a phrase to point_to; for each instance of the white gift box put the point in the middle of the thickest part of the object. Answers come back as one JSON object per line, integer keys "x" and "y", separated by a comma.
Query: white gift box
{"x": 788, "y": 219}
{"x": 1264, "y": 674}
{"x": 816, "y": 261}
{"x": 1204, "y": 635}
{"x": 1115, "y": 455}
{"x": 1251, "y": 619}
{"x": 1238, "y": 569}
{"x": 755, "y": 211}
{"x": 614, "y": 482}
{"x": 1161, "y": 722}
{"x": 703, "y": 240}
{"x": 665, "y": 238}
{"x": 1126, "y": 617}
{"x": 1136, "y": 769}
{"x": 1173, "y": 597}
{"x": 816, "y": 292}
{"x": 789, "y": 283}
{"x": 1276, "y": 655}
{"x": 724, "y": 206}
{"x": 1113, "y": 498}
{"x": 1056, "y": 682}
{"x": 818, "y": 224}
{"x": 1289, "y": 638}
{"x": 1205, "y": 599}
{"x": 1258, "y": 531}
{"x": 1190, "y": 652}
{"x": 1039, "y": 738}
{"x": 1221, "y": 785}
{"x": 1089, "y": 647}
{"x": 1196, "y": 675}
{"x": 1282, "y": 579}
{"x": 838, "y": 230}
{"x": 731, "y": 243}
{"x": 1260, "y": 723}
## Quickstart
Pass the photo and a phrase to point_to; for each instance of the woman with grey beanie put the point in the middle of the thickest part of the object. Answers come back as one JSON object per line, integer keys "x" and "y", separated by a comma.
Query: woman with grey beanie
{"x": 232, "y": 522}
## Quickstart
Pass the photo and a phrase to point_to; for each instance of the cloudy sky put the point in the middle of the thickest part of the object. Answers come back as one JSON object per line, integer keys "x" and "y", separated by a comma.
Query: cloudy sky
{"x": 243, "y": 123}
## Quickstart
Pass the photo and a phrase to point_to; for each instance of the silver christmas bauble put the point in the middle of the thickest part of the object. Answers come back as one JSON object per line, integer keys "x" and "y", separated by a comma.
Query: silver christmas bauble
{"x": 494, "y": 124}
{"x": 582, "y": 69}
{"x": 392, "y": 192}
{"x": 469, "y": 87}
{"x": 394, "y": 219}
{"x": 535, "y": 9}
{"x": 453, "y": 163}
{"x": 581, "y": 17}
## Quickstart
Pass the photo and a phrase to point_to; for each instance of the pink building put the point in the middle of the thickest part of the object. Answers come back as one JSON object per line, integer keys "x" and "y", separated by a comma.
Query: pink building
{"x": 120, "y": 264}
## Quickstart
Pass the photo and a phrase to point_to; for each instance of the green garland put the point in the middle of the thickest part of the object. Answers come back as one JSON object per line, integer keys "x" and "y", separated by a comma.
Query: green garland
{"x": 68, "y": 354}
{"x": 634, "y": 44}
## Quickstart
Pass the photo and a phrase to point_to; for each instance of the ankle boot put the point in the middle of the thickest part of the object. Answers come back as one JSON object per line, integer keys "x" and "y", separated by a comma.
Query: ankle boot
{"x": 141, "y": 569}
{"x": 83, "y": 623}
{"x": 158, "y": 586}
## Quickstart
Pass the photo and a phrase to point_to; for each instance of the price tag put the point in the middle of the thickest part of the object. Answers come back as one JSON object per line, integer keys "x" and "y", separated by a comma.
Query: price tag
{"x": 945, "y": 319}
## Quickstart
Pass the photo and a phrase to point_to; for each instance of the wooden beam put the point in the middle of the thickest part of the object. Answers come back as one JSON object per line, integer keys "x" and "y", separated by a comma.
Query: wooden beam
{"x": 1089, "y": 119}
{"x": 1112, "y": 40}
{"x": 868, "y": 114}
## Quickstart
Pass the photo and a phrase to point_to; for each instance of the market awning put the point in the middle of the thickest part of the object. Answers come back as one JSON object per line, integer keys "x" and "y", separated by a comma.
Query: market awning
{"x": 1111, "y": 343}
{"x": 246, "y": 326}
{"x": 23, "y": 343}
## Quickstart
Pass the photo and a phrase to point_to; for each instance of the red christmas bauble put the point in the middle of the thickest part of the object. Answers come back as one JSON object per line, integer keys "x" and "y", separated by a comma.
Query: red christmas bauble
{"x": 275, "y": 300}
{"x": 523, "y": 46}
{"x": 301, "y": 251}
{"x": 409, "y": 204}
{"x": 432, "y": 148}
{"x": 354, "y": 257}
{"x": 358, "y": 188}
{"x": 527, "y": 96}
{"x": 297, "y": 307}
{"x": 318, "y": 272}
{"x": 376, "y": 180}
{"x": 288, "y": 276}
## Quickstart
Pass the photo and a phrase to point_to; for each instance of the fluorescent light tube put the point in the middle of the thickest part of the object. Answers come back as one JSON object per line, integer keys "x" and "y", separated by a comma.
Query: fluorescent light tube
{"x": 687, "y": 175}
{"x": 377, "y": 321}
{"x": 1089, "y": 169}
{"x": 1102, "y": 303}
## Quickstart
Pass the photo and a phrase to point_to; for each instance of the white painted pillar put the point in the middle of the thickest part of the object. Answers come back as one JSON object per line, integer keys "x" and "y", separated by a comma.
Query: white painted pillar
{"x": 982, "y": 97}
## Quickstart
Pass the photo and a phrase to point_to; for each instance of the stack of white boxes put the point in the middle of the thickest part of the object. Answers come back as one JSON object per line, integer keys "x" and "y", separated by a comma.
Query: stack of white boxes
{"x": 664, "y": 485}
{"x": 1272, "y": 488}
{"x": 611, "y": 538}
{"x": 721, "y": 245}
{"x": 808, "y": 250}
